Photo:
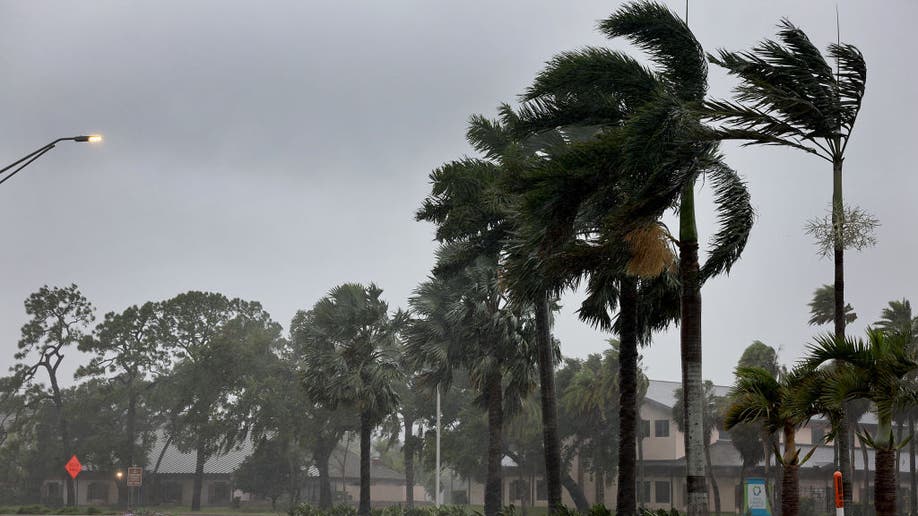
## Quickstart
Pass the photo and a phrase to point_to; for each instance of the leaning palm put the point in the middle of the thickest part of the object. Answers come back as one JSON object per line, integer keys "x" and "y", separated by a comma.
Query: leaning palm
{"x": 352, "y": 361}
{"x": 790, "y": 96}
{"x": 643, "y": 160}
{"x": 875, "y": 370}
{"x": 760, "y": 398}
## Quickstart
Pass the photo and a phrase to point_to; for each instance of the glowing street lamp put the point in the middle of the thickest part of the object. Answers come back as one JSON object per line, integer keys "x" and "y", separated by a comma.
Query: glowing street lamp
{"x": 32, "y": 156}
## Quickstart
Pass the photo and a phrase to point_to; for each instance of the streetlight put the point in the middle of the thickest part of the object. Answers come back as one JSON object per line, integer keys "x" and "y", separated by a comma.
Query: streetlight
{"x": 29, "y": 158}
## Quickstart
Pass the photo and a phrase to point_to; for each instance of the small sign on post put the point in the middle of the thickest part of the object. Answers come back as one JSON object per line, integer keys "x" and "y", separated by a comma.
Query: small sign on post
{"x": 756, "y": 497}
{"x": 839, "y": 494}
{"x": 134, "y": 477}
{"x": 73, "y": 467}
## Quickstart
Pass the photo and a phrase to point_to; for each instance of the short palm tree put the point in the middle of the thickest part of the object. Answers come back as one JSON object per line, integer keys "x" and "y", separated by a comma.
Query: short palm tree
{"x": 897, "y": 319}
{"x": 760, "y": 398}
{"x": 875, "y": 370}
{"x": 352, "y": 361}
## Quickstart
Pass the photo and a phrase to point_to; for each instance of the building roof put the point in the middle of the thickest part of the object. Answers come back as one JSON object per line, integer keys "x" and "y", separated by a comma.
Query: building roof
{"x": 176, "y": 462}
{"x": 664, "y": 392}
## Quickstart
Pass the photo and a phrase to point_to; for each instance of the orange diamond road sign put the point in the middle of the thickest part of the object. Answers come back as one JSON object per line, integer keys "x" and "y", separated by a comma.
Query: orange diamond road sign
{"x": 73, "y": 467}
{"x": 135, "y": 477}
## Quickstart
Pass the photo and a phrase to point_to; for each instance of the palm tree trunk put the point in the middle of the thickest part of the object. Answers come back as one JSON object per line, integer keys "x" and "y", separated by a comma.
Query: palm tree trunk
{"x": 321, "y": 454}
{"x": 839, "y": 316}
{"x": 599, "y": 487}
{"x": 408, "y": 449}
{"x": 912, "y": 479}
{"x": 790, "y": 487}
{"x": 576, "y": 492}
{"x": 690, "y": 340}
{"x": 626, "y": 503}
{"x": 866, "y": 477}
{"x": 640, "y": 486}
{"x": 550, "y": 438}
{"x": 843, "y": 440}
{"x": 198, "y": 485}
{"x": 790, "y": 491}
{"x": 884, "y": 485}
{"x": 366, "y": 430}
{"x": 714, "y": 487}
{"x": 494, "y": 482}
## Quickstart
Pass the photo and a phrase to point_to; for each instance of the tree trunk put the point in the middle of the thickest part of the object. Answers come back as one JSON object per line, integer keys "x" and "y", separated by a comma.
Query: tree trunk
{"x": 714, "y": 487}
{"x": 790, "y": 491}
{"x": 576, "y": 492}
{"x": 839, "y": 316}
{"x": 690, "y": 341}
{"x": 200, "y": 458}
{"x": 599, "y": 488}
{"x": 866, "y": 477}
{"x": 63, "y": 430}
{"x": 127, "y": 456}
{"x": 366, "y": 430}
{"x": 550, "y": 437}
{"x": 912, "y": 479}
{"x": 640, "y": 486}
{"x": 321, "y": 455}
{"x": 494, "y": 482}
{"x": 884, "y": 485}
{"x": 626, "y": 503}
{"x": 408, "y": 449}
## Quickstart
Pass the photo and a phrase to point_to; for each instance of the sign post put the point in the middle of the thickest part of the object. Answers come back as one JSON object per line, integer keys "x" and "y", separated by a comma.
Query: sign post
{"x": 134, "y": 479}
{"x": 73, "y": 468}
{"x": 755, "y": 497}
{"x": 839, "y": 494}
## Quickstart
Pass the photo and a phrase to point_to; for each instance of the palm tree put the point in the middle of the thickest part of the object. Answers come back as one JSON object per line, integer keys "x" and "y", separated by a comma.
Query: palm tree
{"x": 822, "y": 307}
{"x": 789, "y": 96}
{"x": 897, "y": 319}
{"x": 352, "y": 360}
{"x": 622, "y": 179}
{"x": 473, "y": 216}
{"x": 463, "y": 322}
{"x": 877, "y": 371}
{"x": 760, "y": 398}
{"x": 712, "y": 404}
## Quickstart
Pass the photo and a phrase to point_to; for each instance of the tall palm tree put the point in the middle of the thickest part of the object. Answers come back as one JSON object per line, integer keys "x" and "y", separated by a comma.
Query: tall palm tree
{"x": 758, "y": 397}
{"x": 463, "y": 322}
{"x": 625, "y": 104}
{"x": 789, "y": 95}
{"x": 473, "y": 215}
{"x": 352, "y": 360}
{"x": 875, "y": 370}
{"x": 897, "y": 319}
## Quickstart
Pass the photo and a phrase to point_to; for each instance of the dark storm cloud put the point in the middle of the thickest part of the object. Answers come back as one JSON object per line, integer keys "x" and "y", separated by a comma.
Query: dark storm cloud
{"x": 271, "y": 150}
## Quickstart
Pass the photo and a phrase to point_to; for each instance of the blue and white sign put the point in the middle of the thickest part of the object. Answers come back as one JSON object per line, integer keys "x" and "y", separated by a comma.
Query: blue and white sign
{"x": 755, "y": 497}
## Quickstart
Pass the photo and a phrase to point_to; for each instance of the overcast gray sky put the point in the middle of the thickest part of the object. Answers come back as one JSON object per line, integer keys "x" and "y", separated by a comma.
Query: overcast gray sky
{"x": 270, "y": 150}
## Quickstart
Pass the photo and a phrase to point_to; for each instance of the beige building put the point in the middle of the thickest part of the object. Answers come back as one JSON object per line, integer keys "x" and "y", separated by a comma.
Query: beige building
{"x": 661, "y": 472}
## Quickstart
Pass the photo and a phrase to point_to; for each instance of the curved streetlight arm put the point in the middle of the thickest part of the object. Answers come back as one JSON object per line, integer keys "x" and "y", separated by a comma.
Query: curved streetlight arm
{"x": 32, "y": 156}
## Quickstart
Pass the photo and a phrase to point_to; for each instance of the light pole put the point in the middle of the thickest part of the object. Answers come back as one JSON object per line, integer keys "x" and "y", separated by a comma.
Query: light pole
{"x": 32, "y": 156}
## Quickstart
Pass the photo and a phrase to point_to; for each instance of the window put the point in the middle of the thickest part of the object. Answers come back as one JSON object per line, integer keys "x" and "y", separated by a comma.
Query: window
{"x": 519, "y": 490}
{"x": 644, "y": 494}
{"x": 541, "y": 490}
{"x": 661, "y": 428}
{"x": 818, "y": 434}
{"x": 661, "y": 489}
{"x": 219, "y": 492}
{"x": 645, "y": 428}
{"x": 172, "y": 492}
{"x": 98, "y": 492}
